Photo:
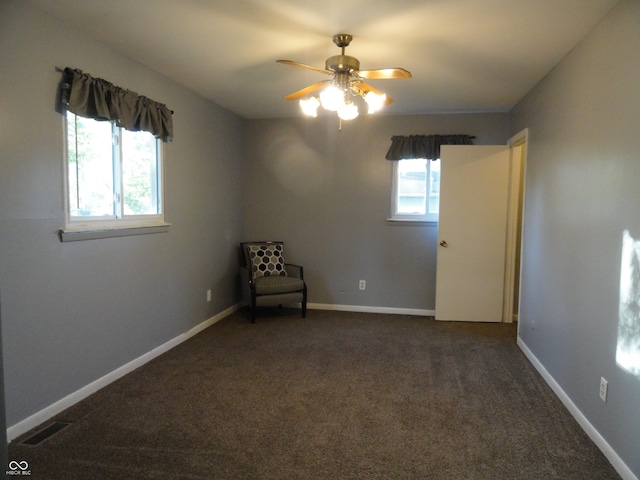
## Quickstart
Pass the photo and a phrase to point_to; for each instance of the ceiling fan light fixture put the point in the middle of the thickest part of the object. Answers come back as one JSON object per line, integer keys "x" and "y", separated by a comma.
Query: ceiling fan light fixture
{"x": 348, "y": 111}
{"x": 332, "y": 98}
{"x": 347, "y": 81}
{"x": 375, "y": 101}
{"x": 310, "y": 106}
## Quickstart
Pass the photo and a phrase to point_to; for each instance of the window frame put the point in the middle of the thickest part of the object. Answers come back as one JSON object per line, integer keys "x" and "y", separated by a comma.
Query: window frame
{"x": 426, "y": 218}
{"x": 118, "y": 224}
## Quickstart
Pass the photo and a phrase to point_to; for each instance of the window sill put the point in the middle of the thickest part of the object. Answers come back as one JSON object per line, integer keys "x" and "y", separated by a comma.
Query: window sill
{"x": 411, "y": 223}
{"x": 74, "y": 235}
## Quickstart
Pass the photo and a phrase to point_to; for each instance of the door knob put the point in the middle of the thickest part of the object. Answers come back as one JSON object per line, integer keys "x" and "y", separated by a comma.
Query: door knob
{"x": 443, "y": 244}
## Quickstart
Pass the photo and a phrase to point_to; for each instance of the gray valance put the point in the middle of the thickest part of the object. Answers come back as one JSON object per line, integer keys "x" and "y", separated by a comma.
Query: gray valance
{"x": 98, "y": 99}
{"x": 423, "y": 146}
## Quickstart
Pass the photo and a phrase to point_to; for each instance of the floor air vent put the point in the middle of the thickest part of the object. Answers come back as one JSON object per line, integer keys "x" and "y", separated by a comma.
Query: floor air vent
{"x": 42, "y": 435}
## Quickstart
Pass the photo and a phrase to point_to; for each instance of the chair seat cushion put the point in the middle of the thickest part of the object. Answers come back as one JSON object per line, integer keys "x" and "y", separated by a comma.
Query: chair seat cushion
{"x": 277, "y": 284}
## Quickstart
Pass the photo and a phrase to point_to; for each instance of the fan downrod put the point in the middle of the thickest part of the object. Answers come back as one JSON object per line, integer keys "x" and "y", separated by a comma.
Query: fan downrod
{"x": 342, "y": 63}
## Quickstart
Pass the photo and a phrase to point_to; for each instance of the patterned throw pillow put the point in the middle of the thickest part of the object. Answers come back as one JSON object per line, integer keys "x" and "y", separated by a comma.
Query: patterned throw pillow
{"x": 267, "y": 260}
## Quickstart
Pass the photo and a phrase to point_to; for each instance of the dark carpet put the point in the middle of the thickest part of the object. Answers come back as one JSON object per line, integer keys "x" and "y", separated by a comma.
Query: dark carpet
{"x": 337, "y": 395}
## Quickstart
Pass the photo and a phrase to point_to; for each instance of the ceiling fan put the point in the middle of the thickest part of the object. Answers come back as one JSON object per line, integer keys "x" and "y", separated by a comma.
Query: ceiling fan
{"x": 347, "y": 80}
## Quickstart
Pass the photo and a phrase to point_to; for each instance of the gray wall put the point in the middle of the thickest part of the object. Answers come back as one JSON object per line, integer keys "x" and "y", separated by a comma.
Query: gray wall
{"x": 73, "y": 312}
{"x": 326, "y": 193}
{"x": 4, "y": 454}
{"x": 582, "y": 192}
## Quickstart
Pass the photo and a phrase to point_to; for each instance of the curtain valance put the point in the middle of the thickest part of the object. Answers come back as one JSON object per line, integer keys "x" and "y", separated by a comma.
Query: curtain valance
{"x": 98, "y": 99}
{"x": 423, "y": 146}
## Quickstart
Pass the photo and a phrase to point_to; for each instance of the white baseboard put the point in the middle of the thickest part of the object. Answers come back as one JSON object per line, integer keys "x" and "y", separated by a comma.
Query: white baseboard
{"x": 623, "y": 470}
{"x": 45, "y": 414}
{"x": 365, "y": 309}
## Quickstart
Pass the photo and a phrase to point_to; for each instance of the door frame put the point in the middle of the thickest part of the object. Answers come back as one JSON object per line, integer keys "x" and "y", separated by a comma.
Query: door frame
{"x": 517, "y": 171}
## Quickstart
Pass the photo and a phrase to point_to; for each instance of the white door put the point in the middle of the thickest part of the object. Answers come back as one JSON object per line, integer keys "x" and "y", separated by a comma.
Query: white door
{"x": 472, "y": 227}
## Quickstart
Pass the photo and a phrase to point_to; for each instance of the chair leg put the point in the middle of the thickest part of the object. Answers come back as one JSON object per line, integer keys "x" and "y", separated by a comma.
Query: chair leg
{"x": 304, "y": 302}
{"x": 252, "y": 309}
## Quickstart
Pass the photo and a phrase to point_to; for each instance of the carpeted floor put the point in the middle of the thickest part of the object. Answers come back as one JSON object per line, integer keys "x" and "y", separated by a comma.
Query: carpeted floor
{"x": 337, "y": 395}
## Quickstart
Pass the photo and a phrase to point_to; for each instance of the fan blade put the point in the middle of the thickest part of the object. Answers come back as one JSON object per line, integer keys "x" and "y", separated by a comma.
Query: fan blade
{"x": 308, "y": 67}
{"x": 306, "y": 91}
{"x": 383, "y": 73}
{"x": 364, "y": 87}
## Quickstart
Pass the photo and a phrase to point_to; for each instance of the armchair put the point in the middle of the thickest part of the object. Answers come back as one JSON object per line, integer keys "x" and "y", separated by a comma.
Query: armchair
{"x": 267, "y": 280}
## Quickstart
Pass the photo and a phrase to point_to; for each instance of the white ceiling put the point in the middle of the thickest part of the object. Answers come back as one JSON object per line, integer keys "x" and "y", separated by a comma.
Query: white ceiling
{"x": 465, "y": 55}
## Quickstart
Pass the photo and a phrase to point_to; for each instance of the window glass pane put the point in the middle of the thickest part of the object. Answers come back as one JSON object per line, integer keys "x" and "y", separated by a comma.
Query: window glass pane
{"x": 412, "y": 187}
{"x": 90, "y": 167}
{"x": 139, "y": 173}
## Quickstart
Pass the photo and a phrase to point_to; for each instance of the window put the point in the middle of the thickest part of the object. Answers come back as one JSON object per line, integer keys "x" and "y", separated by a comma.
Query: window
{"x": 415, "y": 193}
{"x": 114, "y": 176}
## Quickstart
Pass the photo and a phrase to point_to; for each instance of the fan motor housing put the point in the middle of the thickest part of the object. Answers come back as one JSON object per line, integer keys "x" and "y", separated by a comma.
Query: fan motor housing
{"x": 341, "y": 63}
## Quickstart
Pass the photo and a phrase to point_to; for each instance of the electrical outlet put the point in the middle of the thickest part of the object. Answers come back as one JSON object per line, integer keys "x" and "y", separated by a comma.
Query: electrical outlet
{"x": 604, "y": 385}
{"x": 363, "y": 284}
{"x": 208, "y": 295}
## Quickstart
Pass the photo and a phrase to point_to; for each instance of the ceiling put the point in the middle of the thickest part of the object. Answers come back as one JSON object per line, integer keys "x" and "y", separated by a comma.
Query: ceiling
{"x": 465, "y": 55}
